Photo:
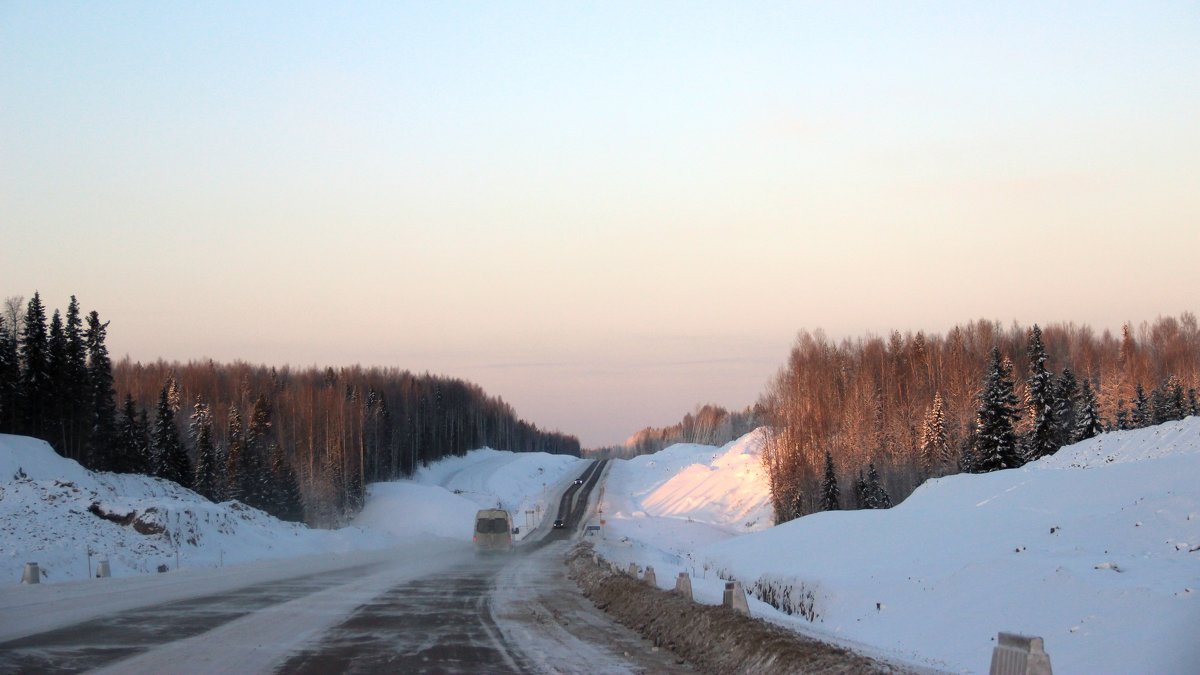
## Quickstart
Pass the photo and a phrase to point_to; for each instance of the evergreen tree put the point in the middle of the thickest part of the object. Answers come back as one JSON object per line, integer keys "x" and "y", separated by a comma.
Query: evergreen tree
{"x": 1066, "y": 406}
{"x": 995, "y": 441}
{"x": 876, "y": 496}
{"x": 1175, "y": 403}
{"x": 130, "y": 449}
{"x": 830, "y": 494}
{"x": 10, "y": 378}
{"x": 860, "y": 491}
{"x": 235, "y": 456}
{"x": 256, "y": 482}
{"x": 1193, "y": 404}
{"x": 1087, "y": 423}
{"x": 102, "y": 415}
{"x": 173, "y": 460}
{"x": 55, "y": 423}
{"x": 35, "y": 390}
{"x": 288, "y": 503}
{"x": 1142, "y": 416}
{"x": 1044, "y": 435}
{"x": 200, "y": 431}
{"x": 79, "y": 408}
{"x": 1123, "y": 422}
{"x": 935, "y": 446}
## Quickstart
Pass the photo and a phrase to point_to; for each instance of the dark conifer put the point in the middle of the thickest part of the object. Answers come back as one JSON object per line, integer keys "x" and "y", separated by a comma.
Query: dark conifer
{"x": 830, "y": 494}
{"x": 995, "y": 441}
{"x": 1193, "y": 404}
{"x": 10, "y": 378}
{"x": 102, "y": 414}
{"x": 130, "y": 449}
{"x": 877, "y": 496}
{"x": 1142, "y": 415}
{"x": 79, "y": 403}
{"x": 173, "y": 461}
{"x": 1066, "y": 408}
{"x": 55, "y": 423}
{"x": 860, "y": 492}
{"x": 288, "y": 503}
{"x": 235, "y": 456}
{"x": 35, "y": 391}
{"x": 1123, "y": 421}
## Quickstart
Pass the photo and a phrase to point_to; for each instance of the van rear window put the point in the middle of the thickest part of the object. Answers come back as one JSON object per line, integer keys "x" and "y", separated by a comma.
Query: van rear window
{"x": 491, "y": 526}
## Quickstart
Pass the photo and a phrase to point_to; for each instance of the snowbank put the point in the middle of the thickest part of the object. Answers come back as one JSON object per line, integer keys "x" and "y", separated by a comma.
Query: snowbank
{"x": 1096, "y": 549}
{"x": 54, "y": 512}
{"x": 442, "y": 498}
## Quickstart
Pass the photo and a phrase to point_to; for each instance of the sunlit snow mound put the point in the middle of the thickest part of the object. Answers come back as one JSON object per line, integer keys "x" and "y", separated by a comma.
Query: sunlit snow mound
{"x": 53, "y": 512}
{"x": 1096, "y": 549}
{"x": 442, "y": 498}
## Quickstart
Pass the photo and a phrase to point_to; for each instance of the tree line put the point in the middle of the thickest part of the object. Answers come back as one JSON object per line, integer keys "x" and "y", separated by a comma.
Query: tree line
{"x": 886, "y": 414}
{"x": 709, "y": 425}
{"x": 300, "y": 444}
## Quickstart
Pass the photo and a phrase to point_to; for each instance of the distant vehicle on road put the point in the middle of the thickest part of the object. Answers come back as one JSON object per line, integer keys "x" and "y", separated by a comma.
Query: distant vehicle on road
{"x": 559, "y": 524}
{"x": 579, "y": 481}
{"x": 493, "y": 531}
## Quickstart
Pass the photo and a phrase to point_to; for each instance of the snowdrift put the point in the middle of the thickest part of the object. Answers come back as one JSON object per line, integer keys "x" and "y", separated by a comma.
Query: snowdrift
{"x": 442, "y": 498}
{"x": 53, "y": 512}
{"x": 1096, "y": 549}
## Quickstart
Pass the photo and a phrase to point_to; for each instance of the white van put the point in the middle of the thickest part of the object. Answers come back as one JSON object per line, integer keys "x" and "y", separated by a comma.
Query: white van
{"x": 493, "y": 531}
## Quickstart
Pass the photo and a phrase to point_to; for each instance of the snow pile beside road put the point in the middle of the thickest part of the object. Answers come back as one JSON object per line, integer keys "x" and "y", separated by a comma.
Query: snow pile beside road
{"x": 53, "y": 512}
{"x": 442, "y": 498}
{"x": 1096, "y": 549}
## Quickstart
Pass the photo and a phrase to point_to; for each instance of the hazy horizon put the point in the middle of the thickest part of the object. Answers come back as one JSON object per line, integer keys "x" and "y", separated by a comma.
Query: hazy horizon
{"x": 604, "y": 214}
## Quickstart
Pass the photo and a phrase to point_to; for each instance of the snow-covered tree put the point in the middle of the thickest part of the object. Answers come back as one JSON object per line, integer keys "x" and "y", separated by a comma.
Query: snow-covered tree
{"x": 200, "y": 431}
{"x": 830, "y": 494}
{"x": 995, "y": 441}
{"x": 1142, "y": 415}
{"x": 287, "y": 502}
{"x": 1043, "y": 436}
{"x": 935, "y": 446}
{"x": 1123, "y": 422}
{"x": 235, "y": 456}
{"x": 860, "y": 491}
{"x": 876, "y": 496}
{"x": 1087, "y": 422}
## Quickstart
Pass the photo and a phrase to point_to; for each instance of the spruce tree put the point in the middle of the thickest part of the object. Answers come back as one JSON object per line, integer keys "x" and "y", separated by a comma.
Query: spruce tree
{"x": 35, "y": 387}
{"x": 1044, "y": 435}
{"x": 129, "y": 450}
{"x": 1087, "y": 423}
{"x": 860, "y": 491}
{"x": 935, "y": 450}
{"x": 1123, "y": 422}
{"x": 173, "y": 463}
{"x": 1142, "y": 416}
{"x": 55, "y": 423}
{"x": 995, "y": 441}
{"x": 10, "y": 378}
{"x": 1066, "y": 408}
{"x": 200, "y": 431}
{"x": 288, "y": 503}
{"x": 256, "y": 481}
{"x": 1193, "y": 404}
{"x": 877, "y": 496}
{"x": 234, "y": 456}
{"x": 79, "y": 408}
{"x": 102, "y": 413}
{"x": 830, "y": 494}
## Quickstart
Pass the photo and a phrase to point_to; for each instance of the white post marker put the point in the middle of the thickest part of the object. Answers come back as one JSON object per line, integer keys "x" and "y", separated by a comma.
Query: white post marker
{"x": 31, "y": 575}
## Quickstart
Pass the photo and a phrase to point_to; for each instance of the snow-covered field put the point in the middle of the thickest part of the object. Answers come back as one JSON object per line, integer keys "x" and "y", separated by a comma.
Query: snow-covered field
{"x": 1096, "y": 549}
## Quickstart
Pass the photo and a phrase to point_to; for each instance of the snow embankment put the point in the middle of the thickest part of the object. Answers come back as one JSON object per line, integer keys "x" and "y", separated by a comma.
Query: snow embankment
{"x": 442, "y": 498}
{"x": 54, "y": 512}
{"x": 1096, "y": 549}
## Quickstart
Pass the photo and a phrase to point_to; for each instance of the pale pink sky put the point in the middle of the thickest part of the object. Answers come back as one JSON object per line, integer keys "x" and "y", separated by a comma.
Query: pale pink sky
{"x": 607, "y": 214}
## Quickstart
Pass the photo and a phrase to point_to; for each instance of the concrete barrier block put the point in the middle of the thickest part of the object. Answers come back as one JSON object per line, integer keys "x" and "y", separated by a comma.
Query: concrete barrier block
{"x": 102, "y": 569}
{"x": 1019, "y": 655}
{"x": 615, "y": 569}
{"x": 735, "y": 598}
{"x": 649, "y": 577}
{"x": 633, "y": 570}
{"x": 683, "y": 585}
{"x": 31, "y": 575}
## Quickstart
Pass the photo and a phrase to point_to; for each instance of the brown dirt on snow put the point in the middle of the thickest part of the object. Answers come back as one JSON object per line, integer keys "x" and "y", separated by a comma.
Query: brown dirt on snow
{"x": 712, "y": 639}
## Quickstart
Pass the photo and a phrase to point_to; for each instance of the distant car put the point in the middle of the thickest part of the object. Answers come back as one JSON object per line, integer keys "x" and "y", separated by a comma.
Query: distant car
{"x": 559, "y": 524}
{"x": 579, "y": 481}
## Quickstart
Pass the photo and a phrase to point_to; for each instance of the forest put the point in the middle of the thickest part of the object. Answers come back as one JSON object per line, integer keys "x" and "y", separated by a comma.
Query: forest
{"x": 300, "y": 444}
{"x": 883, "y": 415}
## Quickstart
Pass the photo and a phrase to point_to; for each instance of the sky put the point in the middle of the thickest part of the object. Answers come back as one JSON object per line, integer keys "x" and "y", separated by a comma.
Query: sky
{"x": 605, "y": 213}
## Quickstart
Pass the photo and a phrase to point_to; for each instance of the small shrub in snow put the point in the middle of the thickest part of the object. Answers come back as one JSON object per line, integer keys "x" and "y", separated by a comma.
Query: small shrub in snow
{"x": 791, "y": 597}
